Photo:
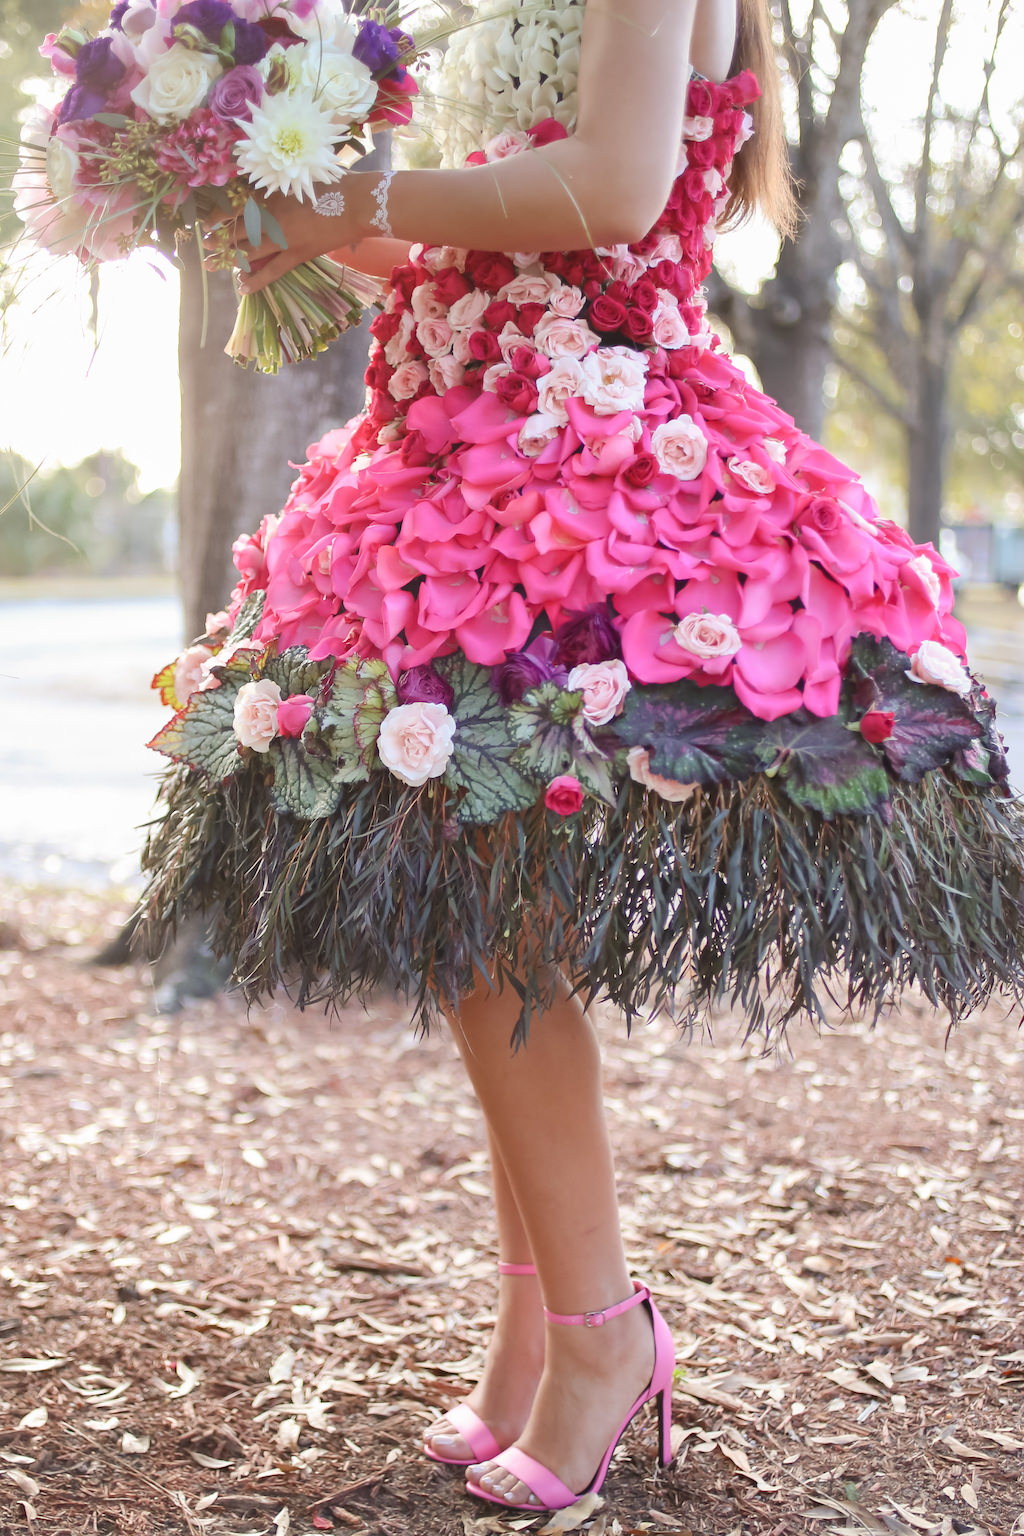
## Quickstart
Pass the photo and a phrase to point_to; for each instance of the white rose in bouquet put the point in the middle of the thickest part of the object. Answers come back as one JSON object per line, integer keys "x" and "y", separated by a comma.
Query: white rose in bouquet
{"x": 336, "y": 81}
{"x": 178, "y": 82}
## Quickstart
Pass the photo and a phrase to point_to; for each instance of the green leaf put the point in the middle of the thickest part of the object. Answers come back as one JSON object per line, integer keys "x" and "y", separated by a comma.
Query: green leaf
{"x": 595, "y": 774}
{"x": 248, "y": 617}
{"x": 293, "y": 672}
{"x": 482, "y": 751}
{"x": 823, "y": 766}
{"x": 253, "y": 222}
{"x": 274, "y": 230}
{"x": 111, "y": 119}
{"x": 694, "y": 735}
{"x": 306, "y": 786}
{"x": 203, "y": 733}
{"x": 361, "y": 695}
{"x": 543, "y": 725}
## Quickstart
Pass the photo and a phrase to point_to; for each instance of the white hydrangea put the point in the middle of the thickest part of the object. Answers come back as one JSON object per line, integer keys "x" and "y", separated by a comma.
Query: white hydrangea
{"x": 513, "y": 66}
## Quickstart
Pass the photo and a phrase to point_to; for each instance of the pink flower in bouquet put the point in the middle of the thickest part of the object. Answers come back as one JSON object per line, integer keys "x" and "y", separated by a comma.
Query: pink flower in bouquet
{"x": 233, "y": 96}
{"x": 188, "y": 671}
{"x": 415, "y": 742}
{"x": 61, "y": 62}
{"x": 564, "y": 795}
{"x": 712, "y": 637}
{"x": 639, "y": 762}
{"x": 255, "y": 714}
{"x": 293, "y": 714}
{"x": 604, "y": 685}
{"x": 199, "y": 152}
{"x": 935, "y": 663}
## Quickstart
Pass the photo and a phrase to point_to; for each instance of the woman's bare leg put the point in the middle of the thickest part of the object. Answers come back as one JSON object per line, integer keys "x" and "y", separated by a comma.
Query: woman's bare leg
{"x": 545, "y": 1110}
{"x": 515, "y": 1354}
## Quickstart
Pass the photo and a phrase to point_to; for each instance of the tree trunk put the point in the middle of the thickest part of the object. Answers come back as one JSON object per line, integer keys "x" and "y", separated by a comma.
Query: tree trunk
{"x": 927, "y": 448}
{"x": 792, "y": 348}
{"x": 240, "y": 432}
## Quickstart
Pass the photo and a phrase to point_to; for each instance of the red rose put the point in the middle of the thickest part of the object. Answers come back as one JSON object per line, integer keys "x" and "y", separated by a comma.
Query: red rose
{"x": 666, "y": 273}
{"x": 483, "y": 345}
{"x": 700, "y": 101}
{"x": 619, "y": 291}
{"x": 476, "y": 158}
{"x": 393, "y": 104}
{"x": 606, "y": 314}
{"x": 547, "y": 132}
{"x": 564, "y": 795}
{"x": 517, "y": 393}
{"x": 644, "y": 294}
{"x": 638, "y": 325}
{"x": 490, "y": 269}
{"x": 529, "y": 314}
{"x": 681, "y": 361}
{"x": 385, "y": 325}
{"x": 694, "y": 186}
{"x": 413, "y": 449}
{"x": 592, "y": 287}
{"x": 378, "y": 373}
{"x": 531, "y": 364}
{"x": 701, "y": 155}
{"x": 822, "y": 514}
{"x": 877, "y": 725}
{"x": 451, "y": 284}
{"x": 641, "y": 472}
{"x": 498, "y": 314}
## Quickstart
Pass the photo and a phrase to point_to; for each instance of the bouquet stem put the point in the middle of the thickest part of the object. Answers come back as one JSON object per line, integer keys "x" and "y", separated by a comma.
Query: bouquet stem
{"x": 300, "y": 314}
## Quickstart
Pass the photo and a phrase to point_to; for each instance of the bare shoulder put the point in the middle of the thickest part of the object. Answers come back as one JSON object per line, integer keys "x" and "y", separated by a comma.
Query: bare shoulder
{"x": 714, "y": 37}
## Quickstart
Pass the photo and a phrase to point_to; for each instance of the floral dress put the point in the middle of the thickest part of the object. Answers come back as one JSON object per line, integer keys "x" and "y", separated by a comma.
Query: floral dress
{"x": 572, "y": 652}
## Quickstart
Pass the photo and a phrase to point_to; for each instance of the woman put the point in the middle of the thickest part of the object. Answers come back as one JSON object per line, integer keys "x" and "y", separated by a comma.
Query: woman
{"x": 563, "y": 426}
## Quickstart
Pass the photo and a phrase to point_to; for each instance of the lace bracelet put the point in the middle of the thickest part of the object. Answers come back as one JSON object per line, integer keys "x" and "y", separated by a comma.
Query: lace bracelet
{"x": 380, "y": 220}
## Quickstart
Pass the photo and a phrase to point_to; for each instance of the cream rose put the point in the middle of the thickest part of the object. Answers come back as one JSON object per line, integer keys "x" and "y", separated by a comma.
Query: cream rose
{"x": 604, "y": 685}
{"x": 639, "y": 761}
{"x": 336, "y": 80}
{"x": 434, "y": 336}
{"x": 415, "y": 741}
{"x": 775, "y": 448}
{"x": 935, "y": 663}
{"x": 613, "y": 380}
{"x": 406, "y": 380}
{"x": 256, "y": 714}
{"x": 563, "y": 380}
{"x": 467, "y": 312}
{"x": 530, "y": 288}
{"x": 436, "y": 258}
{"x": 188, "y": 671}
{"x": 536, "y": 432}
{"x": 707, "y": 634}
{"x": 177, "y": 82}
{"x": 668, "y": 324}
{"x": 625, "y": 265}
{"x": 445, "y": 373}
{"x": 680, "y": 447}
{"x": 754, "y": 476}
{"x": 560, "y": 336}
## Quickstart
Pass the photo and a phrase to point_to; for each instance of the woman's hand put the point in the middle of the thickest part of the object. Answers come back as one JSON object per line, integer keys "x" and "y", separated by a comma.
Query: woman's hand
{"x": 308, "y": 235}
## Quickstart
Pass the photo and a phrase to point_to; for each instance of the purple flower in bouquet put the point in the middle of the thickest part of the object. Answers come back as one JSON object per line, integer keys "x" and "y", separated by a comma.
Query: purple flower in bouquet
{"x": 523, "y": 670}
{"x": 233, "y": 96}
{"x": 97, "y": 67}
{"x": 376, "y": 46}
{"x": 588, "y": 635}
{"x": 117, "y": 14}
{"x": 422, "y": 685}
{"x": 80, "y": 103}
{"x": 210, "y": 17}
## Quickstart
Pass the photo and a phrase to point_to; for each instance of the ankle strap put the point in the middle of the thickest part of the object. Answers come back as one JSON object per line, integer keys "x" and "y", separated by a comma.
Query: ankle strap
{"x": 596, "y": 1319}
{"x": 515, "y": 1269}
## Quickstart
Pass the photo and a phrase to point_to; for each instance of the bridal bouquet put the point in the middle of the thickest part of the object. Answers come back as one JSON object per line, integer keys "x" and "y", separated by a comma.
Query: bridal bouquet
{"x": 178, "y": 114}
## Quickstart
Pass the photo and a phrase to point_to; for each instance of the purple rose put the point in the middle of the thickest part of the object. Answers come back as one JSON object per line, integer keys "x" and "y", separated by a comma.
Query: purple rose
{"x": 97, "y": 67}
{"x": 589, "y": 635}
{"x": 375, "y": 47}
{"x": 234, "y": 95}
{"x": 80, "y": 103}
{"x": 422, "y": 685}
{"x": 523, "y": 670}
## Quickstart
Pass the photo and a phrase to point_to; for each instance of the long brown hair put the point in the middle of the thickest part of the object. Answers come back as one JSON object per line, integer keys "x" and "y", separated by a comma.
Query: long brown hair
{"x": 761, "y": 178}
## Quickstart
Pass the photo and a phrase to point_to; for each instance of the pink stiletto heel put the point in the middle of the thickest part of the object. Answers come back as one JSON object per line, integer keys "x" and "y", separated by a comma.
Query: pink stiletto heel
{"x": 465, "y": 1421}
{"x": 548, "y": 1491}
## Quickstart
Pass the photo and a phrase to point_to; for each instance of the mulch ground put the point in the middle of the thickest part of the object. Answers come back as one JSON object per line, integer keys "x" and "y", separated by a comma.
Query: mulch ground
{"x": 245, "y": 1258}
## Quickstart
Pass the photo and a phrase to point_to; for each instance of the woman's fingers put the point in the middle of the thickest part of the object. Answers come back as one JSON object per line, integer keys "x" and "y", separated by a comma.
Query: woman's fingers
{"x": 265, "y": 270}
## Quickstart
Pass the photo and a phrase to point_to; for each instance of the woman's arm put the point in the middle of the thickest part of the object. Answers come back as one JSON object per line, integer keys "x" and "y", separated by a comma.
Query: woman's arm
{"x": 604, "y": 184}
{"x": 376, "y": 257}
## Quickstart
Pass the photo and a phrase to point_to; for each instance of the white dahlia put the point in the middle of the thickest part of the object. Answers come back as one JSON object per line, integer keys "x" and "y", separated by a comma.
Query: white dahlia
{"x": 289, "y": 146}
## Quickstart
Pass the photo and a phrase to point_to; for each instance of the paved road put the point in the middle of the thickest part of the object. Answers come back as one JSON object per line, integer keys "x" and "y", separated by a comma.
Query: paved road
{"x": 76, "y": 780}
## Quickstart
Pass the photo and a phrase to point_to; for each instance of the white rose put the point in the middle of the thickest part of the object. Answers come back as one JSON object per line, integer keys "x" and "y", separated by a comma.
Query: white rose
{"x": 537, "y": 432}
{"x": 605, "y": 685}
{"x": 625, "y": 265}
{"x": 415, "y": 741}
{"x": 563, "y": 380}
{"x": 935, "y": 663}
{"x": 613, "y": 380}
{"x": 178, "y": 81}
{"x": 923, "y": 568}
{"x": 256, "y": 714}
{"x": 467, "y": 312}
{"x": 406, "y": 380}
{"x": 639, "y": 761}
{"x": 567, "y": 301}
{"x": 334, "y": 79}
{"x": 445, "y": 373}
{"x": 775, "y": 448}
{"x": 530, "y": 288}
{"x": 707, "y": 634}
{"x": 61, "y": 165}
{"x": 754, "y": 476}
{"x": 558, "y": 336}
{"x": 680, "y": 447}
{"x": 188, "y": 671}
{"x": 668, "y": 325}
{"x": 434, "y": 336}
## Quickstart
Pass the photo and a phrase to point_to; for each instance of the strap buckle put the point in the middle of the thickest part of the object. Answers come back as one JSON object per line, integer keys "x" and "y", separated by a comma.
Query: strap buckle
{"x": 593, "y": 1319}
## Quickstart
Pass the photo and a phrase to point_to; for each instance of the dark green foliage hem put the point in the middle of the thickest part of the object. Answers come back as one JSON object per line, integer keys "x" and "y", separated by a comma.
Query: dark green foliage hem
{"x": 741, "y": 897}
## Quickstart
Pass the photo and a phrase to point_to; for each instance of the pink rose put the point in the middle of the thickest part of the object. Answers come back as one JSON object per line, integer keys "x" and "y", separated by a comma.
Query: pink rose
{"x": 396, "y": 348}
{"x": 926, "y": 573}
{"x": 468, "y": 311}
{"x": 293, "y": 714}
{"x": 559, "y": 336}
{"x": 530, "y": 288}
{"x": 511, "y": 339}
{"x": 566, "y": 301}
{"x": 698, "y": 128}
{"x": 537, "y": 432}
{"x": 613, "y": 380}
{"x": 415, "y": 741}
{"x": 218, "y": 624}
{"x": 707, "y": 635}
{"x": 564, "y": 795}
{"x": 935, "y": 663}
{"x": 434, "y": 336}
{"x": 604, "y": 685}
{"x": 639, "y": 760}
{"x": 563, "y": 381}
{"x": 754, "y": 476}
{"x": 427, "y": 303}
{"x": 406, "y": 380}
{"x": 188, "y": 671}
{"x": 680, "y": 447}
{"x": 668, "y": 326}
{"x": 256, "y": 714}
{"x": 445, "y": 373}
{"x": 512, "y": 142}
